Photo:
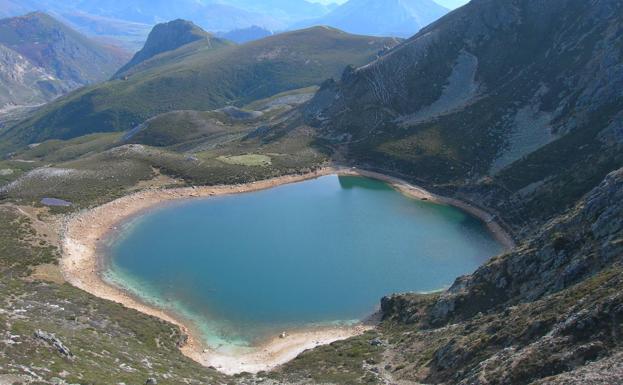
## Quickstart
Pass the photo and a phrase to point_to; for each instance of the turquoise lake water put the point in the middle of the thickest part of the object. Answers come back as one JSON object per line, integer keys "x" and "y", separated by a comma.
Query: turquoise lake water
{"x": 244, "y": 267}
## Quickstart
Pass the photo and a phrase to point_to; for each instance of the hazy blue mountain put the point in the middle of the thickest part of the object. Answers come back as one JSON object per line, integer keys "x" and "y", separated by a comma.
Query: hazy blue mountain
{"x": 131, "y": 20}
{"x": 246, "y": 34}
{"x": 452, "y": 4}
{"x": 401, "y": 18}
{"x": 285, "y": 10}
{"x": 128, "y": 34}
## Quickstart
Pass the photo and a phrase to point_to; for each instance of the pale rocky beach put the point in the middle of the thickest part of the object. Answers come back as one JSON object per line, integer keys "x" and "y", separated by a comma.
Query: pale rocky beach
{"x": 81, "y": 265}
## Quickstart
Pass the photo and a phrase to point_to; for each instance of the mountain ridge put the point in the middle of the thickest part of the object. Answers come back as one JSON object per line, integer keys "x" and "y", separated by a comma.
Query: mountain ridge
{"x": 388, "y": 114}
{"x": 176, "y": 80}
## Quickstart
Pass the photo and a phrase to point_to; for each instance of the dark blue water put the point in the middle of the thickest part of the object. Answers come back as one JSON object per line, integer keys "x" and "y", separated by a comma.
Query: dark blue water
{"x": 246, "y": 266}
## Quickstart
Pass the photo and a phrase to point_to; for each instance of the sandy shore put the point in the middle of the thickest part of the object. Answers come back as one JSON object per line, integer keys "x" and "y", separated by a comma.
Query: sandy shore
{"x": 80, "y": 265}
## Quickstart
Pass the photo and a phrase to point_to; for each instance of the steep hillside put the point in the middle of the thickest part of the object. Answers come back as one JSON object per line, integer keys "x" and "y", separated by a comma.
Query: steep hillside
{"x": 63, "y": 52}
{"x": 23, "y": 83}
{"x": 514, "y": 129}
{"x": 401, "y": 18}
{"x": 198, "y": 77}
{"x": 550, "y": 312}
{"x": 168, "y": 37}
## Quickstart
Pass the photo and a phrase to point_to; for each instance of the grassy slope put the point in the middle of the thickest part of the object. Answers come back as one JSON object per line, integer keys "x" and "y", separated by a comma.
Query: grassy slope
{"x": 199, "y": 78}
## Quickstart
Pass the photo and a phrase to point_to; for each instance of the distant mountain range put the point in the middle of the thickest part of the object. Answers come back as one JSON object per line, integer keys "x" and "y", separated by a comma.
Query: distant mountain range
{"x": 402, "y": 18}
{"x": 127, "y": 23}
{"x": 245, "y": 35}
{"x": 130, "y": 21}
{"x": 41, "y": 58}
{"x": 199, "y": 72}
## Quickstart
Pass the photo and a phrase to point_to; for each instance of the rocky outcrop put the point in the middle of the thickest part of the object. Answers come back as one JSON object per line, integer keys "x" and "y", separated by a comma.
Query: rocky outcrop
{"x": 54, "y": 342}
{"x": 41, "y": 59}
{"x": 61, "y": 51}
{"x": 23, "y": 83}
{"x": 549, "y": 307}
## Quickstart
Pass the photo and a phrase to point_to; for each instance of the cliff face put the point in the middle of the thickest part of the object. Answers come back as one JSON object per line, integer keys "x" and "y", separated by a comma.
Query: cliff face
{"x": 63, "y": 52}
{"x": 512, "y": 97}
{"x": 21, "y": 82}
{"x": 41, "y": 59}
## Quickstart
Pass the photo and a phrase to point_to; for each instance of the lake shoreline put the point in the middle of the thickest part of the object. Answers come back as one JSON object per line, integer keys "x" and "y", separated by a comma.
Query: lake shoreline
{"x": 82, "y": 265}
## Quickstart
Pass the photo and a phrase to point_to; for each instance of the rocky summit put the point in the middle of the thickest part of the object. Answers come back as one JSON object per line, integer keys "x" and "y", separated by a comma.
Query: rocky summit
{"x": 167, "y": 37}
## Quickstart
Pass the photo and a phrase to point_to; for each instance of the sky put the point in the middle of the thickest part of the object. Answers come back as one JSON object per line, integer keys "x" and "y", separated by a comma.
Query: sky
{"x": 451, "y": 4}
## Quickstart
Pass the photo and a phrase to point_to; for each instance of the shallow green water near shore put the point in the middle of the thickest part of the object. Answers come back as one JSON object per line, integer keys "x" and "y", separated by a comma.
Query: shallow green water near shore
{"x": 247, "y": 266}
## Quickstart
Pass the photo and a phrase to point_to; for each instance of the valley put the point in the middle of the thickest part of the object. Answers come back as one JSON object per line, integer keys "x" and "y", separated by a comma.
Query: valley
{"x": 510, "y": 110}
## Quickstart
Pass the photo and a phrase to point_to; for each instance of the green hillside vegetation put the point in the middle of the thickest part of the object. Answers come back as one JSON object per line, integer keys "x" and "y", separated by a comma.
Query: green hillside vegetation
{"x": 224, "y": 146}
{"x": 197, "y": 77}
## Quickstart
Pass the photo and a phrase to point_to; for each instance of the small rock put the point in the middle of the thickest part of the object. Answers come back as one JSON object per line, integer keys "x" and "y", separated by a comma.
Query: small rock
{"x": 151, "y": 381}
{"x": 55, "y": 342}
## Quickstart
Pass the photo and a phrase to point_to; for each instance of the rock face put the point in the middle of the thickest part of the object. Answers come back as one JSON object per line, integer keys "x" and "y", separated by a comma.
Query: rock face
{"x": 578, "y": 244}
{"x": 166, "y": 37}
{"x": 22, "y": 82}
{"x": 41, "y": 59}
{"x": 64, "y": 52}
